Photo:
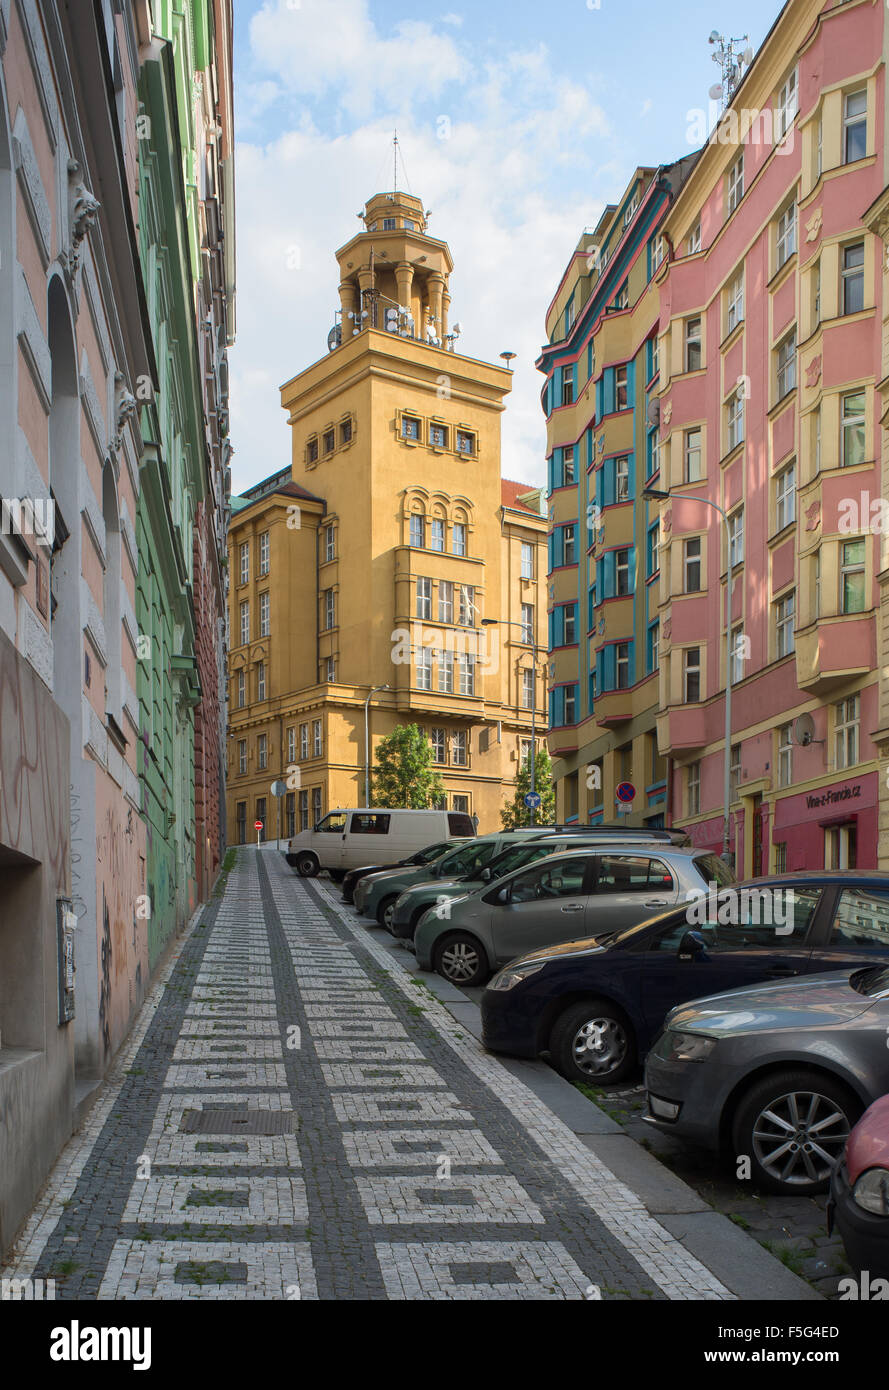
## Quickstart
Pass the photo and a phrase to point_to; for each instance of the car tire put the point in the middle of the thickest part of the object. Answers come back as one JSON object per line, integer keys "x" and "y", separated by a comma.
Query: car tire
{"x": 307, "y": 865}
{"x": 598, "y": 1021}
{"x": 386, "y": 910}
{"x": 460, "y": 959}
{"x": 764, "y": 1117}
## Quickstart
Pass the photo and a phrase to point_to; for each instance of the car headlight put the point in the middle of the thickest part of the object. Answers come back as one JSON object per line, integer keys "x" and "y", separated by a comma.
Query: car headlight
{"x": 685, "y": 1047}
{"x": 871, "y": 1191}
{"x": 512, "y": 976}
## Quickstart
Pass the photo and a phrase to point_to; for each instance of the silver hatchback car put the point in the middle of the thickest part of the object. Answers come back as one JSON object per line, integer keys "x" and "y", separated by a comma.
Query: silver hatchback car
{"x": 565, "y": 897}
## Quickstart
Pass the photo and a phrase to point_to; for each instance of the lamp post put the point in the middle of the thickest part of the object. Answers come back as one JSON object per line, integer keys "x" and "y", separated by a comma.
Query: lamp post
{"x": 507, "y": 622}
{"x": 367, "y": 742}
{"x": 661, "y": 495}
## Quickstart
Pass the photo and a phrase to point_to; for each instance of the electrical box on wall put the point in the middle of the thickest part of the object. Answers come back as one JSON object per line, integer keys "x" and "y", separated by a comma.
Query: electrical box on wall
{"x": 66, "y": 923}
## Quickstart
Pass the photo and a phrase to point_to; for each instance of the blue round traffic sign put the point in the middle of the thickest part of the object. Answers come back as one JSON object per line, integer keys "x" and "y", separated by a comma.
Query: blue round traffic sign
{"x": 625, "y": 792}
{"x": 532, "y": 800}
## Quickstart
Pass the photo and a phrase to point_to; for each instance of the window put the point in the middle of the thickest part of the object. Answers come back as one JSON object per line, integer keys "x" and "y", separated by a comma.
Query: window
{"x": 735, "y": 302}
{"x": 527, "y": 687}
{"x": 736, "y": 538}
{"x": 438, "y": 436}
{"x": 734, "y": 775}
{"x": 567, "y": 385}
{"x": 691, "y": 661}
{"x": 786, "y": 235}
{"x": 261, "y": 815}
{"x": 346, "y": 432}
{"x": 570, "y": 716}
{"x": 242, "y": 689}
{"x": 466, "y": 611}
{"x": 389, "y": 224}
{"x": 424, "y": 598}
{"x": 458, "y": 538}
{"x": 693, "y": 344}
{"x": 466, "y": 666}
{"x": 260, "y": 681}
{"x": 265, "y": 624}
{"x": 437, "y": 538}
{"x": 658, "y": 251}
{"x": 569, "y": 315}
{"x": 458, "y": 748}
{"x": 788, "y": 101}
{"x": 621, "y": 390}
{"x": 816, "y": 563}
{"x": 819, "y": 148}
{"x": 853, "y": 278}
{"x": 329, "y": 542}
{"x": 622, "y": 572}
{"x": 622, "y": 298}
{"x": 242, "y": 756}
{"x": 652, "y": 559}
{"x": 303, "y": 740}
{"x": 446, "y": 672}
{"x": 568, "y": 473}
{"x": 654, "y": 356}
{"x": 290, "y": 814}
{"x": 410, "y": 428}
{"x": 853, "y": 440}
{"x": 695, "y": 239}
{"x": 304, "y": 810}
{"x": 734, "y": 420}
{"x": 841, "y": 847}
{"x": 465, "y": 442}
{"x": 693, "y": 456}
{"x": 312, "y": 451}
{"x": 787, "y": 366}
{"x": 570, "y": 625}
{"x": 622, "y": 479}
{"x": 852, "y": 577}
{"x": 438, "y": 740}
{"x": 527, "y": 560}
{"x": 785, "y": 497}
{"x": 630, "y": 210}
{"x": 785, "y": 755}
{"x": 424, "y": 668}
{"x": 735, "y": 186}
{"x": 569, "y": 553}
{"x": 781, "y": 857}
{"x": 317, "y": 740}
{"x": 738, "y": 654}
{"x": 244, "y": 556}
{"x": 862, "y": 917}
{"x": 846, "y": 725}
{"x": 417, "y": 531}
{"x": 654, "y": 646}
{"x": 316, "y": 805}
{"x": 855, "y": 126}
{"x": 623, "y": 665}
{"x": 264, "y": 554}
{"x": 245, "y": 622}
{"x": 693, "y": 788}
{"x": 329, "y": 608}
{"x": 546, "y": 881}
{"x": 329, "y": 441}
{"x": 784, "y": 643}
{"x": 816, "y": 294}
{"x": 528, "y": 622}
{"x": 262, "y": 751}
{"x": 330, "y": 669}
{"x": 242, "y": 822}
{"x": 291, "y": 744}
{"x": 691, "y": 553}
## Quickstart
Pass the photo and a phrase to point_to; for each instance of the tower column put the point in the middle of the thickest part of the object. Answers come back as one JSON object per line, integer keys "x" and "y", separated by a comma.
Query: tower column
{"x": 348, "y": 304}
{"x": 404, "y": 279}
{"x": 445, "y": 306}
{"x": 436, "y": 284}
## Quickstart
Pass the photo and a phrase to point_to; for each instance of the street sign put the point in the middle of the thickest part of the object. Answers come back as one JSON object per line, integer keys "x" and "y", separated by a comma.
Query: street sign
{"x": 532, "y": 800}
{"x": 257, "y": 825}
{"x": 279, "y": 788}
{"x": 625, "y": 791}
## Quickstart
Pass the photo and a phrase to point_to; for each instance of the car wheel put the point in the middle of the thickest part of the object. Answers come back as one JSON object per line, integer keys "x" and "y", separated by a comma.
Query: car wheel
{"x": 793, "y": 1126}
{"x": 461, "y": 960}
{"x": 307, "y": 866}
{"x": 593, "y": 1042}
{"x": 386, "y": 911}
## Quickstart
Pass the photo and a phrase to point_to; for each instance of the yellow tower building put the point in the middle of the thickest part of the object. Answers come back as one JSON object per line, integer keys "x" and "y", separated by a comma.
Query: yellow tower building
{"x": 391, "y": 554}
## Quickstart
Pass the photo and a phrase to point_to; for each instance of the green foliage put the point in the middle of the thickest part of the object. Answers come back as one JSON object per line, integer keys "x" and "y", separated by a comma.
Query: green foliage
{"x": 515, "y": 812}
{"x": 404, "y": 775}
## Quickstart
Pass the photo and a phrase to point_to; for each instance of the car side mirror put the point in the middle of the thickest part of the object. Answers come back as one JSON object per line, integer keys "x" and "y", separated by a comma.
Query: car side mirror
{"x": 504, "y": 895}
{"x": 691, "y": 946}
{"x": 485, "y": 875}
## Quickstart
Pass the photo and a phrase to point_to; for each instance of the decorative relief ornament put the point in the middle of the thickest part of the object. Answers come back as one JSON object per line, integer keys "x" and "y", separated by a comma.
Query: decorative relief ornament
{"x": 813, "y": 226}
{"x": 813, "y": 371}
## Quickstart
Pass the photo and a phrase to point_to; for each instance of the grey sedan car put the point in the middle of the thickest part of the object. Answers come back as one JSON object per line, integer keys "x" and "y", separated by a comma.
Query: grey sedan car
{"x": 776, "y": 1075}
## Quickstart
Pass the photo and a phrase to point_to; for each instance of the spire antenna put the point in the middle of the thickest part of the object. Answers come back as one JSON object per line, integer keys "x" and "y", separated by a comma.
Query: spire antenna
{"x": 395, "y": 162}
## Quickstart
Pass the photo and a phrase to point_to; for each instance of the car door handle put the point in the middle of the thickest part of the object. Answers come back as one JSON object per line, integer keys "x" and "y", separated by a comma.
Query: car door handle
{"x": 656, "y": 902}
{"x": 783, "y": 970}
{"x": 573, "y": 907}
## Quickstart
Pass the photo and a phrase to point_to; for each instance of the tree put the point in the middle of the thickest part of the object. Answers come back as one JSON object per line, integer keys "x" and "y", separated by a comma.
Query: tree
{"x": 404, "y": 775}
{"x": 515, "y": 812}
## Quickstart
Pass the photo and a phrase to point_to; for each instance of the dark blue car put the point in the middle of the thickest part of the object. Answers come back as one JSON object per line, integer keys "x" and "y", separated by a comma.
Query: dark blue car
{"x": 597, "y": 1005}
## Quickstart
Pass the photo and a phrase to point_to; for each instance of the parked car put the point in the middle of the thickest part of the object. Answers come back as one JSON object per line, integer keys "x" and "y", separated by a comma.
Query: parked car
{"x": 562, "y": 898}
{"x": 859, "y": 1192}
{"x": 597, "y": 1005}
{"x": 420, "y": 897}
{"x": 344, "y": 839}
{"x": 778, "y": 1073}
{"x": 422, "y": 856}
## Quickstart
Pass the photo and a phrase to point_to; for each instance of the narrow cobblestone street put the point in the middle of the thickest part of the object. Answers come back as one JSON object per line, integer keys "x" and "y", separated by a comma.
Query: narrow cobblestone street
{"x": 296, "y": 1117}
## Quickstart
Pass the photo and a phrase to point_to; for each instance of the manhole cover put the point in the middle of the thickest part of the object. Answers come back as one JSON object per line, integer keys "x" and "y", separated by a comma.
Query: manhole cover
{"x": 238, "y": 1121}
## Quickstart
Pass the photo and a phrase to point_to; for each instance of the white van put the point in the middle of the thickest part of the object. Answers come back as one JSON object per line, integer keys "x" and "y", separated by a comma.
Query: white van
{"x": 347, "y": 839}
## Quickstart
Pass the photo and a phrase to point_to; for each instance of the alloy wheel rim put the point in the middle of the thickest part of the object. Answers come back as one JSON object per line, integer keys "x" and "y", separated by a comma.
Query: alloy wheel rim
{"x": 459, "y": 961}
{"x": 388, "y": 915}
{"x": 599, "y": 1046}
{"x": 798, "y": 1137}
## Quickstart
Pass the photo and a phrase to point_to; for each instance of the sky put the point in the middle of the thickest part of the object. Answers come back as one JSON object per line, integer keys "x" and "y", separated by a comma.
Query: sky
{"x": 517, "y": 124}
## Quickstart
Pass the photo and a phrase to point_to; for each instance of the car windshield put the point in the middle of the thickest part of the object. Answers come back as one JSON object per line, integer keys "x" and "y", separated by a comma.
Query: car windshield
{"x": 714, "y": 870}
{"x": 465, "y": 860}
{"x": 426, "y": 856}
{"x": 514, "y": 858}
{"x": 873, "y": 981}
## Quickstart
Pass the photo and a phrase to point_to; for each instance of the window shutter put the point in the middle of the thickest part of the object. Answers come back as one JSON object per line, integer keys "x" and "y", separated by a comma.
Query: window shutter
{"x": 610, "y": 574}
{"x": 631, "y": 384}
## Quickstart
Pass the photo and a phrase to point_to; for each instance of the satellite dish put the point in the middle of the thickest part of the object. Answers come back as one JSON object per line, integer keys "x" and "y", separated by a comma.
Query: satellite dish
{"x": 715, "y": 91}
{"x": 334, "y": 337}
{"x": 458, "y": 328}
{"x": 714, "y": 36}
{"x": 747, "y": 56}
{"x": 804, "y": 730}
{"x": 653, "y": 414}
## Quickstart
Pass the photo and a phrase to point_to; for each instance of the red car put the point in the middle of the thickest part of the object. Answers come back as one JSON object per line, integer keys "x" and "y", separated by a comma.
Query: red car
{"x": 859, "y": 1192}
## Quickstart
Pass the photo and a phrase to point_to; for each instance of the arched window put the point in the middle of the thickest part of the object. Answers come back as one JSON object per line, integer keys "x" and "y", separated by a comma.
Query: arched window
{"x": 111, "y": 615}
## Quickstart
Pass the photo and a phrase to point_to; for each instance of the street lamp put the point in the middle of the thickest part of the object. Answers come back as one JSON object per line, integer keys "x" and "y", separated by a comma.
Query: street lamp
{"x": 507, "y": 622}
{"x": 660, "y": 495}
{"x": 367, "y": 743}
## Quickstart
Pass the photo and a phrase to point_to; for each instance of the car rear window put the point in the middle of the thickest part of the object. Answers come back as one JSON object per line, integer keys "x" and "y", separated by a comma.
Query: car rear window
{"x": 624, "y": 873}
{"x": 460, "y": 824}
{"x": 714, "y": 870}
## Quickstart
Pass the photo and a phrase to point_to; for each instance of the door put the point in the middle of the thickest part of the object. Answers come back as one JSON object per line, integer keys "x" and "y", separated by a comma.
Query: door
{"x": 858, "y": 932}
{"x": 368, "y": 840}
{"x": 630, "y": 888}
{"x": 547, "y": 904}
{"x": 758, "y": 838}
{"x": 328, "y": 839}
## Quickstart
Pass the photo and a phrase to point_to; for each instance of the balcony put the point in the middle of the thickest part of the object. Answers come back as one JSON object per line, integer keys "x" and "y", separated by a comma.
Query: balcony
{"x": 835, "y": 650}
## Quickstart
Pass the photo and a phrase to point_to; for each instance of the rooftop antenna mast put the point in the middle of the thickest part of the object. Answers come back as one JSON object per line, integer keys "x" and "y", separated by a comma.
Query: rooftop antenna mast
{"x": 395, "y": 162}
{"x": 732, "y": 60}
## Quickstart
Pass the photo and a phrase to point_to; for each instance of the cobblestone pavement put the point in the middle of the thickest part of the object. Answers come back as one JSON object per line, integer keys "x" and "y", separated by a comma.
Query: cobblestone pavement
{"x": 296, "y": 1117}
